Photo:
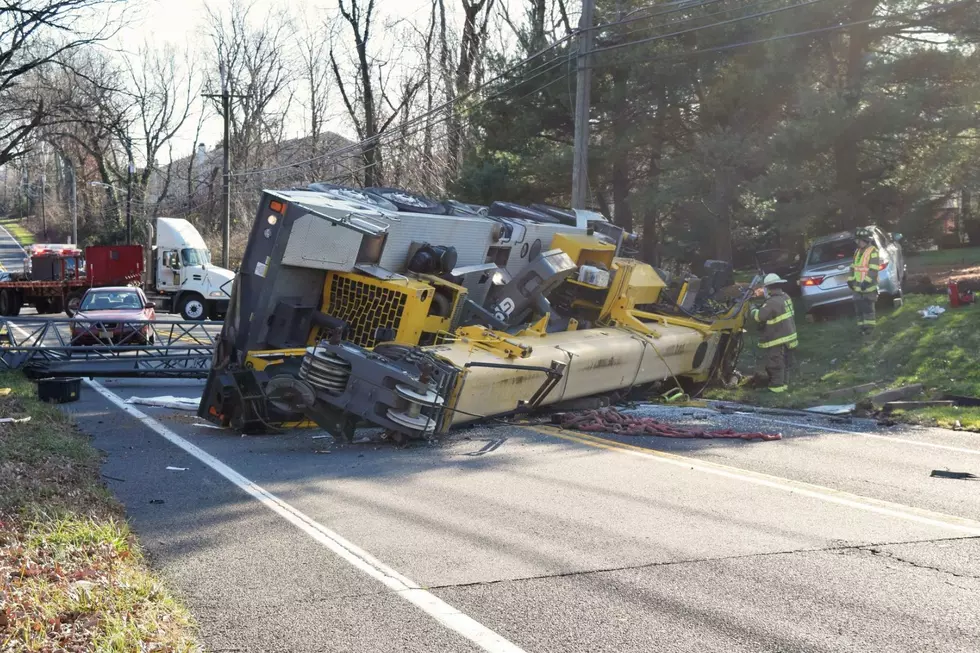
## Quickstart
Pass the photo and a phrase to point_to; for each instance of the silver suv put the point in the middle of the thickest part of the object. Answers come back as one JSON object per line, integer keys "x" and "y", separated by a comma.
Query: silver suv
{"x": 823, "y": 280}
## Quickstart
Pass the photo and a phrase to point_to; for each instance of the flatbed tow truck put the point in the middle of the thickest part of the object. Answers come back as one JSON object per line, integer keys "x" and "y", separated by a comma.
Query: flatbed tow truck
{"x": 348, "y": 313}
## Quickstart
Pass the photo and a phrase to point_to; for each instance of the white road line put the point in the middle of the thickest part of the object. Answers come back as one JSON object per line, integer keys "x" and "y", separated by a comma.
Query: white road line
{"x": 829, "y": 495}
{"x": 447, "y": 615}
{"x": 917, "y": 443}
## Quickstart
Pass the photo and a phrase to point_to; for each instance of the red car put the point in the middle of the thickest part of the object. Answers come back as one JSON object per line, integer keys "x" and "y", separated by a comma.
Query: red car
{"x": 113, "y": 315}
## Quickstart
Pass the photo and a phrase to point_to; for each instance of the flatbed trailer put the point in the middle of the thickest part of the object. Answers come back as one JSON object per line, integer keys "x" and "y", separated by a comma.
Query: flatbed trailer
{"x": 57, "y": 276}
{"x": 45, "y": 296}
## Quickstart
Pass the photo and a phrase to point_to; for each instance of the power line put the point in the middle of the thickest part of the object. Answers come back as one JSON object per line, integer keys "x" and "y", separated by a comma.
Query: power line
{"x": 781, "y": 37}
{"x": 547, "y": 67}
{"x": 658, "y": 37}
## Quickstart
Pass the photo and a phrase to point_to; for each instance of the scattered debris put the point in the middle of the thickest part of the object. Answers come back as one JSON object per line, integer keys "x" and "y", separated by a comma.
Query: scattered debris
{"x": 932, "y": 313}
{"x": 320, "y": 437}
{"x": 896, "y": 394}
{"x": 833, "y": 409}
{"x": 15, "y": 420}
{"x": 854, "y": 390}
{"x": 177, "y": 469}
{"x": 211, "y": 426}
{"x": 113, "y": 478}
{"x": 945, "y": 473}
{"x": 584, "y": 403}
{"x": 960, "y": 400}
{"x": 912, "y": 405}
{"x": 156, "y": 501}
{"x": 489, "y": 447}
{"x": 743, "y": 408}
{"x": 610, "y": 420}
{"x": 167, "y": 401}
{"x": 957, "y": 297}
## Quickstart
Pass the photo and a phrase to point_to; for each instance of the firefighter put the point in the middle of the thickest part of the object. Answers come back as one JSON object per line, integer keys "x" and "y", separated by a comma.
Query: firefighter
{"x": 863, "y": 281}
{"x": 778, "y": 338}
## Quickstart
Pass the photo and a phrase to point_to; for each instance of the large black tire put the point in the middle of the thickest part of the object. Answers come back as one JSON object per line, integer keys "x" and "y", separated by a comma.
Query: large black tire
{"x": 352, "y": 195}
{"x": 193, "y": 308}
{"x": 71, "y": 304}
{"x": 469, "y": 210}
{"x": 7, "y": 302}
{"x": 511, "y": 210}
{"x": 409, "y": 202}
{"x": 563, "y": 216}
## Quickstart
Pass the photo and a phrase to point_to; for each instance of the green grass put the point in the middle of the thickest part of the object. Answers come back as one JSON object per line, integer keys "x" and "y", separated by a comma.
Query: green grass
{"x": 968, "y": 418}
{"x": 905, "y": 348}
{"x": 967, "y": 256}
{"x": 74, "y": 576}
{"x": 18, "y": 231}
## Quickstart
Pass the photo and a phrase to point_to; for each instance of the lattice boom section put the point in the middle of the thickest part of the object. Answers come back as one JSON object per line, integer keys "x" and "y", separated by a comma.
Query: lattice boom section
{"x": 365, "y": 307}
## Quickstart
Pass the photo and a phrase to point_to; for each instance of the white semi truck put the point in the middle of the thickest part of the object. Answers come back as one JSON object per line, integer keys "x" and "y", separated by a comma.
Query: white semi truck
{"x": 182, "y": 278}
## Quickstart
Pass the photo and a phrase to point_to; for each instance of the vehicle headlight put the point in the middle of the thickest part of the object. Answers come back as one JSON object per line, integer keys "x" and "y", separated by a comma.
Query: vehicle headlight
{"x": 217, "y": 293}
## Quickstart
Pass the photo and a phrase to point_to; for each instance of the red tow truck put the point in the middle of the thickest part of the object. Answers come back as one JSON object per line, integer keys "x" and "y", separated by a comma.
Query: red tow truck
{"x": 56, "y": 276}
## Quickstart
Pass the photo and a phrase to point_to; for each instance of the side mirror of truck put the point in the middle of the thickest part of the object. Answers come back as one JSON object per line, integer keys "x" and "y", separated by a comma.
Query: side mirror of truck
{"x": 149, "y": 305}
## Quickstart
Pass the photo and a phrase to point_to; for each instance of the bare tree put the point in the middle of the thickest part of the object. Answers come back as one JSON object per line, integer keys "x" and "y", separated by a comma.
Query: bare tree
{"x": 162, "y": 92}
{"x": 34, "y": 35}
{"x": 255, "y": 56}
{"x": 359, "y": 97}
{"x": 316, "y": 79}
{"x": 472, "y": 42}
{"x": 536, "y": 27}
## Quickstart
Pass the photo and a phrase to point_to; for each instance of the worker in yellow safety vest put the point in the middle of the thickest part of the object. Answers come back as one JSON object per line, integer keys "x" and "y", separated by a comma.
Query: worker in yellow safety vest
{"x": 778, "y": 337}
{"x": 863, "y": 280}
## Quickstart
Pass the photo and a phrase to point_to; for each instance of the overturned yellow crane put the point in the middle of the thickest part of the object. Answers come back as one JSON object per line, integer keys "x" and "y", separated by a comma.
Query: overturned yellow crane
{"x": 346, "y": 311}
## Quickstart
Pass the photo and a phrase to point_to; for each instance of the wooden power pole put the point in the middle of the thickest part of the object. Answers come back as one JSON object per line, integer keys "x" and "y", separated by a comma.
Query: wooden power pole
{"x": 583, "y": 92}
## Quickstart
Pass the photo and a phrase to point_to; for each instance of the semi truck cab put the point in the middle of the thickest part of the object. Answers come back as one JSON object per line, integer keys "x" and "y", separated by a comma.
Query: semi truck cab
{"x": 183, "y": 272}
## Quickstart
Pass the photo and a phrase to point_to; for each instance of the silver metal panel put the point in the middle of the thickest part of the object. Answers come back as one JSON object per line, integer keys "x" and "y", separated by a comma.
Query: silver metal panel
{"x": 318, "y": 243}
{"x": 524, "y": 238}
{"x": 477, "y": 279}
{"x": 471, "y": 236}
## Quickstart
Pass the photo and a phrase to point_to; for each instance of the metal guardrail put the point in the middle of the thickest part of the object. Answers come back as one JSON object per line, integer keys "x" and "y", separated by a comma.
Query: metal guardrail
{"x": 102, "y": 347}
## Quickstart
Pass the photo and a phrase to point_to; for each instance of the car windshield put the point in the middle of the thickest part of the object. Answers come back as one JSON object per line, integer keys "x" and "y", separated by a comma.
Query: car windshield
{"x": 111, "y": 301}
{"x": 195, "y": 256}
{"x": 832, "y": 252}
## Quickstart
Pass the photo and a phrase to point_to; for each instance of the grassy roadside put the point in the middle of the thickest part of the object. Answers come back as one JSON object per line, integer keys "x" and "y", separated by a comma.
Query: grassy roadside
{"x": 18, "y": 231}
{"x": 940, "y": 354}
{"x": 952, "y": 258}
{"x": 73, "y": 576}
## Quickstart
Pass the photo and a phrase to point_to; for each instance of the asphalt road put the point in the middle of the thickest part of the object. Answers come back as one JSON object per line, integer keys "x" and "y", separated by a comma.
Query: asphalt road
{"x": 511, "y": 538}
{"x": 12, "y": 255}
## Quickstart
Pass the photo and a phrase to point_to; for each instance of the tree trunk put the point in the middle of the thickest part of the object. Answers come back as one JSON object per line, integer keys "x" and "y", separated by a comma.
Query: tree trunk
{"x": 651, "y": 218}
{"x": 621, "y": 186}
{"x": 846, "y": 147}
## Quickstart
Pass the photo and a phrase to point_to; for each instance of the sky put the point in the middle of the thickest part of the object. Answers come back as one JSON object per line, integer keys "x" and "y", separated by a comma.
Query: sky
{"x": 180, "y": 23}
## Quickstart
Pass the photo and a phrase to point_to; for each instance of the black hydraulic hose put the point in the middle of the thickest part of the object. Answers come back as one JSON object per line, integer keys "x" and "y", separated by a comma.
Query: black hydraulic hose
{"x": 505, "y": 366}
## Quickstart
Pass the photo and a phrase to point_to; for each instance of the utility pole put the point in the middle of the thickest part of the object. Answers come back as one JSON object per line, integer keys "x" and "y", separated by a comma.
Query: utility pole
{"x": 44, "y": 170}
{"x": 74, "y": 205}
{"x": 583, "y": 92}
{"x": 226, "y": 97}
{"x": 44, "y": 219}
{"x": 130, "y": 170}
{"x": 225, "y": 165}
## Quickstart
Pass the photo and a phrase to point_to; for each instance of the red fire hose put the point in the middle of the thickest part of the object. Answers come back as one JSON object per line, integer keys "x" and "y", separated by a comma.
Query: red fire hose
{"x": 610, "y": 420}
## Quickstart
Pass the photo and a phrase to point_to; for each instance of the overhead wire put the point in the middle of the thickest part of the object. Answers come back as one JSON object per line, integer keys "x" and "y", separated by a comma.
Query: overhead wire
{"x": 548, "y": 66}
{"x": 355, "y": 149}
{"x": 779, "y": 37}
